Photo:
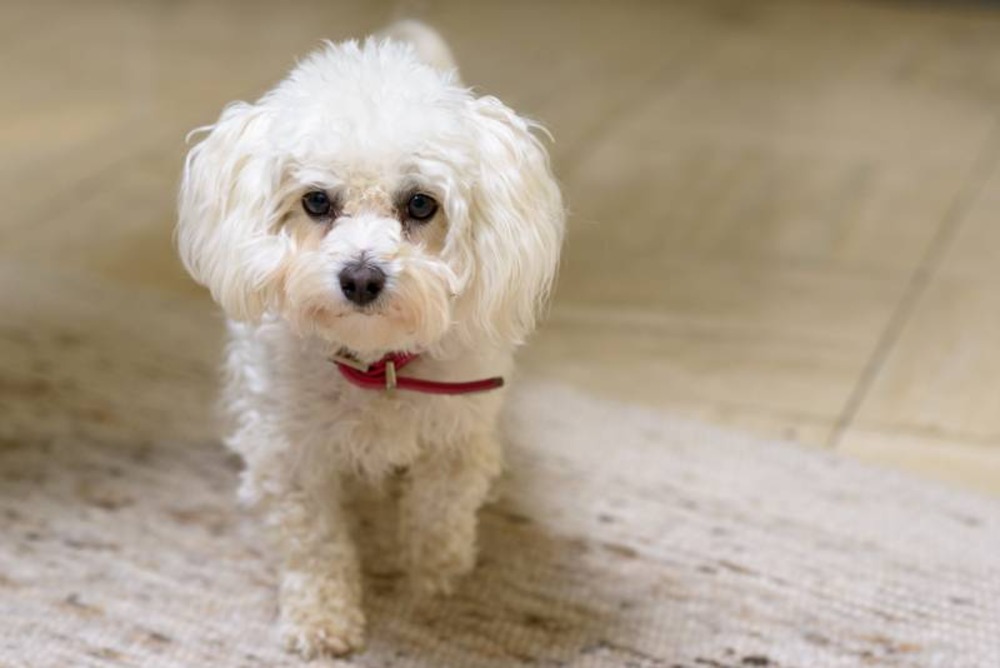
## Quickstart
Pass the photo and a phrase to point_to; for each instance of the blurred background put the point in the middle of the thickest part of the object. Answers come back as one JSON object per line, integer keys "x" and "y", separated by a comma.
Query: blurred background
{"x": 784, "y": 214}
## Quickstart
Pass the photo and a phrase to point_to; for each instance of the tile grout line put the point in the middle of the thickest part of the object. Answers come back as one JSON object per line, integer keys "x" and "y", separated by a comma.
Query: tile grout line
{"x": 979, "y": 175}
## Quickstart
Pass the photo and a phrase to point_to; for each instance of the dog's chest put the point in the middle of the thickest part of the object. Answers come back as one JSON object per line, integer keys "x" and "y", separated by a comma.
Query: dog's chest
{"x": 375, "y": 432}
{"x": 326, "y": 421}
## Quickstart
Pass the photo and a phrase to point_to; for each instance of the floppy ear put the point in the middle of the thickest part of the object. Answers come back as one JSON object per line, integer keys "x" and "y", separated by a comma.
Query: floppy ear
{"x": 227, "y": 209}
{"x": 516, "y": 220}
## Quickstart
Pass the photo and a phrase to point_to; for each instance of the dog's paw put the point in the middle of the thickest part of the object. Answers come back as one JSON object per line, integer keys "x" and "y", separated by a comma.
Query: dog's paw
{"x": 323, "y": 632}
{"x": 437, "y": 572}
{"x": 321, "y": 615}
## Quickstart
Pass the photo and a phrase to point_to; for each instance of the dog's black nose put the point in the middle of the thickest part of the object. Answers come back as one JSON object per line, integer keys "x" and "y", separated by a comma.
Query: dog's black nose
{"x": 361, "y": 283}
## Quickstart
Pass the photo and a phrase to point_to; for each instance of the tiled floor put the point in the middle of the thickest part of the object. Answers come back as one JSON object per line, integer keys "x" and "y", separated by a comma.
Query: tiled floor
{"x": 785, "y": 215}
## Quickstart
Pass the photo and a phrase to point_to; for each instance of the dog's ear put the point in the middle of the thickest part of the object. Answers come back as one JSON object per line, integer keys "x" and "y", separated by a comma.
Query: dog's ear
{"x": 227, "y": 210}
{"x": 517, "y": 220}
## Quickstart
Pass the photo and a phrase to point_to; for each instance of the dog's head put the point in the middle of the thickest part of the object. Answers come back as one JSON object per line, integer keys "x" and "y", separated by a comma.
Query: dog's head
{"x": 371, "y": 200}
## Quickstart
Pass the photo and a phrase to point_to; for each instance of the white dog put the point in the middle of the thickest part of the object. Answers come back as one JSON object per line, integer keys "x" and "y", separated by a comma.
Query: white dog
{"x": 369, "y": 214}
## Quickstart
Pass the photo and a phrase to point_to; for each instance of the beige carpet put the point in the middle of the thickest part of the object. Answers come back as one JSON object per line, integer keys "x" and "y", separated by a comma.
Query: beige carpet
{"x": 624, "y": 537}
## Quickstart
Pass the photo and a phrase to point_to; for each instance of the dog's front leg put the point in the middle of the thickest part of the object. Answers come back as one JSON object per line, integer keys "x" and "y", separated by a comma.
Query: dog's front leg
{"x": 320, "y": 595}
{"x": 438, "y": 511}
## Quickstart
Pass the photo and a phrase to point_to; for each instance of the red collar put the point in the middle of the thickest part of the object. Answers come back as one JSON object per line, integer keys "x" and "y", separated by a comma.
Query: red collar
{"x": 382, "y": 376}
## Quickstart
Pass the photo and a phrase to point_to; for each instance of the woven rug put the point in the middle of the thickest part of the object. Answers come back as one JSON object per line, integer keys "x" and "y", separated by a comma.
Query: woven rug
{"x": 623, "y": 537}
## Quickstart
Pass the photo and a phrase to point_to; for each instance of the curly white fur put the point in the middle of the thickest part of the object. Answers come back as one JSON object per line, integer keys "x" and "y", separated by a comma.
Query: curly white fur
{"x": 368, "y": 123}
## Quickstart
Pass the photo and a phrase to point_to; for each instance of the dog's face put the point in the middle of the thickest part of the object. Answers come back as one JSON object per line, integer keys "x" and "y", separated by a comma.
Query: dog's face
{"x": 372, "y": 202}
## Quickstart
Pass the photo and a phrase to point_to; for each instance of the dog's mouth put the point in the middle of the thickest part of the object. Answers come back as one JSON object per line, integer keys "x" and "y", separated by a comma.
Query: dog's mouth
{"x": 374, "y": 326}
{"x": 324, "y": 315}
{"x": 372, "y": 310}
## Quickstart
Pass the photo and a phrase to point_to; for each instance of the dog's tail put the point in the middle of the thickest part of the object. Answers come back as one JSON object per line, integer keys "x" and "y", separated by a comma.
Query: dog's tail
{"x": 427, "y": 42}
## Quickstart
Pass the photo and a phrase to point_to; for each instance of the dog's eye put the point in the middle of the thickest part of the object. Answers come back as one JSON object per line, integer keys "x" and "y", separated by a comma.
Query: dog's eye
{"x": 421, "y": 207}
{"x": 316, "y": 203}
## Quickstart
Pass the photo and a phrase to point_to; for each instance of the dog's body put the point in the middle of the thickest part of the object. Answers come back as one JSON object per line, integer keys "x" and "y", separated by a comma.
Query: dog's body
{"x": 366, "y": 206}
